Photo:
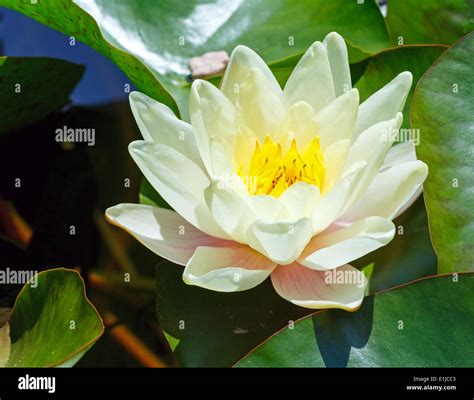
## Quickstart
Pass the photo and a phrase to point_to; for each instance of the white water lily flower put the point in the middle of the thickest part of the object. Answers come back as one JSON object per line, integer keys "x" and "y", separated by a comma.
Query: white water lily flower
{"x": 293, "y": 184}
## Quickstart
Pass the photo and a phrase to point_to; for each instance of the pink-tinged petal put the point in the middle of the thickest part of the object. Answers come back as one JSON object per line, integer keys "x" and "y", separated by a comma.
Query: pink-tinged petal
{"x": 163, "y": 231}
{"x": 342, "y": 287}
{"x": 331, "y": 249}
{"x": 227, "y": 269}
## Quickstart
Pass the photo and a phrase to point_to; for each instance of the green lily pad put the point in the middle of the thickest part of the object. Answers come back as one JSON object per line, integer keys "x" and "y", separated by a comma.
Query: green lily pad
{"x": 433, "y": 21}
{"x": 442, "y": 110}
{"x": 396, "y": 328}
{"x": 387, "y": 64}
{"x": 67, "y": 17}
{"x": 165, "y": 35}
{"x": 32, "y": 88}
{"x": 213, "y": 329}
{"x": 52, "y": 323}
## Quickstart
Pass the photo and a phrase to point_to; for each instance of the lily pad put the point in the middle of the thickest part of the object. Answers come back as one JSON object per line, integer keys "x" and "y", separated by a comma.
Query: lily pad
{"x": 67, "y": 17}
{"x": 387, "y": 64}
{"x": 163, "y": 36}
{"x": 442, "y": 110}
{"x": 433, "y": 21}
{"x": 213, "y": 329}
{"x": 52, "y": 323}
{"x": 32, "y": 88}
{"x": 396, "y": 328}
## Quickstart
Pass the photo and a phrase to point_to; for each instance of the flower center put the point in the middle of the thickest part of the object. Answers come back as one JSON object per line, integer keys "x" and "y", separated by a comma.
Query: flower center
{"x": 272, "y": 173}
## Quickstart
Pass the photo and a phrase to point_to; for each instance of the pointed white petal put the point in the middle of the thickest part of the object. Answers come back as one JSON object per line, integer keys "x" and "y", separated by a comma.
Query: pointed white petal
{"x": 241, "y": 61}
{"x": 339, "y": 62}
{"x": 311, "y": 80}
{"x": 385, "y": 103}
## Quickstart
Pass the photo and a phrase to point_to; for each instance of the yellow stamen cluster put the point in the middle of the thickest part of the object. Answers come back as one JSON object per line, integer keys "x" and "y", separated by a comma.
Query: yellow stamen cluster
{"x": 272, "y": 173}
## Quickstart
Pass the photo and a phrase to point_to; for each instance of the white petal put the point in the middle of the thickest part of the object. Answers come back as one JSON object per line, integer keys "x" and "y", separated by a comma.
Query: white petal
{"x": 339, "y": 62}
{"x": 222, "y": 158}
{"x": 159, "y": 124}
{"x": 374, "y": 142}
{"x": 320, "y": 289}
{"x": 337, "y": 120}
{"x": 245, "y": 142}
{"x": 372, "y": 146}
{"x": 332, "y": 203}
{"x": 230, "y": 210}
{"x": 334, "y": 157}
{"x": 227, "y": 269}
{"x": 163, "y": 231}
{"x": 299, "y": 124}
{"x": 300, "y": 200}
{"x": 241, "y": 61}
{"x": 330, "y": 250}
{"x": 179, "y": 181}
{"x": 281, "y": 242}
{"x": 400, "y": 153}
{"x": 257, "y": 106}
{"x": 390, "y": 190}
{"x": 212, "y": 114}
{"x": 311, "y": 80}
{"x": 385, "y": 103}
{"x": 268, "y": 208}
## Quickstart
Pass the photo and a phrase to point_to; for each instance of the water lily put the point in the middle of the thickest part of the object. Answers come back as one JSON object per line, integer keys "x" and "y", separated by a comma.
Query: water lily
{"x": 290, "y": 184}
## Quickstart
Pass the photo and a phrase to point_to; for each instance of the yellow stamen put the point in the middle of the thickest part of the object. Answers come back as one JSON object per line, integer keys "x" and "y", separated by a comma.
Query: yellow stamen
{"x": 272, "y": 174}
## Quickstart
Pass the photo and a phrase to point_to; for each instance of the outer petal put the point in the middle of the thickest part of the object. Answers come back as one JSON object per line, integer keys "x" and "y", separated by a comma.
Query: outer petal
{"x": 163, "y": 231}
{"x": 337, "y": 120}
{"x": 372, "y": 146}
{"x": 180, "y": 181}
{"x": 330, "y": 250}
{"x": 389, "y": 191}
{"x": 227, "y": 269}
{"x": 159, "y": 124}
{"x": 339, "y": 62}
{"x": 311, "y": 80}
{"x": 212, "y": 114}
{"x": 385, "y": 103}
{"x": 342, "y": 287}
{"x": 241, "y": 61}
{"x": 399, "y": 154}
{"x": 281, "y": 242}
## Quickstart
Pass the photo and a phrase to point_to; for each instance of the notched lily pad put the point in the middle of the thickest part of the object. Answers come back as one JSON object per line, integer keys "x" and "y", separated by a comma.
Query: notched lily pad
{"x": 53, "y": 323}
